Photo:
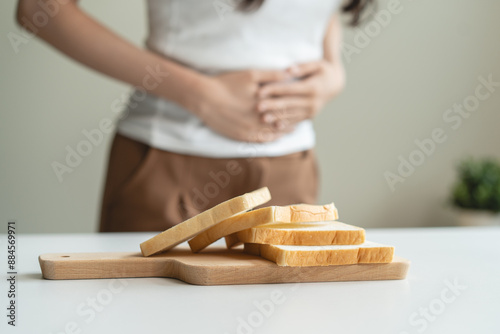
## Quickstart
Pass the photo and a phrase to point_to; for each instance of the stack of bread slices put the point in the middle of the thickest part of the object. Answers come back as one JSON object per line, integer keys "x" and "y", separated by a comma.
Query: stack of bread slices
{"x": 295, "y": 235}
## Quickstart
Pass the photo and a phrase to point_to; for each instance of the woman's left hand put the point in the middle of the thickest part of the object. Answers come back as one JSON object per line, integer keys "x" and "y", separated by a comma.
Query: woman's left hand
{"x": 313, "y": 84}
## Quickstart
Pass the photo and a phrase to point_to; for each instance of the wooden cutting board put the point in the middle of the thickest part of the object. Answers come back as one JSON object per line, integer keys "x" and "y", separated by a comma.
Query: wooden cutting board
{"x": 214, "y": 266}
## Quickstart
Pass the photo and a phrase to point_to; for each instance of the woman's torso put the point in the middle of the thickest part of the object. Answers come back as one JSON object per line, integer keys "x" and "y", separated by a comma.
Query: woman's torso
{"x": 213, "y": 37}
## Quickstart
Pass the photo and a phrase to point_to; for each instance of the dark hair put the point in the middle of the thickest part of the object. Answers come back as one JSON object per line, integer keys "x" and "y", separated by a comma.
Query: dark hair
{"x": 353, "y": 7}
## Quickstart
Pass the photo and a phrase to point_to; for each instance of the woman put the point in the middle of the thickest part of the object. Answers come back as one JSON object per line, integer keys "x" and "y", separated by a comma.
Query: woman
{"x": 225, "y": 93}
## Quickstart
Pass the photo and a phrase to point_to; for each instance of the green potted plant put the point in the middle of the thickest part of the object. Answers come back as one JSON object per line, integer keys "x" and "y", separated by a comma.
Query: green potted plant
{"x": 476, "y": 192}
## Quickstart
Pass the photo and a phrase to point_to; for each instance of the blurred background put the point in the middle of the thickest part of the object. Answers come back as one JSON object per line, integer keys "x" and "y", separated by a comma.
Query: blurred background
{"x": 388, "y": 146}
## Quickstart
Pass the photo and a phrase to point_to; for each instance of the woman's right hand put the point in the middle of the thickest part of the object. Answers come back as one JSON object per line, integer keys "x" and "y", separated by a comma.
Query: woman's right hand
{"x": 229, "y": 101}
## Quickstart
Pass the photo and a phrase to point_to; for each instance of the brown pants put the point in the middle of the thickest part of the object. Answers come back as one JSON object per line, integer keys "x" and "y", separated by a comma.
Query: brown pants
{"x": 148, "y": 189}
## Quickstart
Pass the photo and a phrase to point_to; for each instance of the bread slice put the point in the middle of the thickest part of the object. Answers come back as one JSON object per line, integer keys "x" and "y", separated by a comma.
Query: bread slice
{"x": 199, "y": 223}
{"x": 292, "y": 213}
{"x": 232, "y": 241}
{"x": 305, "y": 234}
{"x": 305, "y": 256}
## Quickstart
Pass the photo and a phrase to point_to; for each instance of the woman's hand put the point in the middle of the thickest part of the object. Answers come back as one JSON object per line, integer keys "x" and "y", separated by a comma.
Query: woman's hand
{"x": 284, "y": 104}
{"x": 228, "y": 102}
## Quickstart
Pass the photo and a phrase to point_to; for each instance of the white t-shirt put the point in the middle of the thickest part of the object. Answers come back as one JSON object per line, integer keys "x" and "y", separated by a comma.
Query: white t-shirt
{"x": 213, "y": 37}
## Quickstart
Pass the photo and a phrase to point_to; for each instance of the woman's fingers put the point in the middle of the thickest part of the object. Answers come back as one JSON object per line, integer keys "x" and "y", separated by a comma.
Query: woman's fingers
{"x": 284, "y": 127}
{"x": 267, "y": 76}
{"x": 305, "y": 69}
{"x": 283, "y": 104}
{"x": 306, "y": 76}
{"x": 281, "y": 86}
{"x": 291, "y": 116}
{"x": 290, "y": 110}
{"x": 299, "y": 87}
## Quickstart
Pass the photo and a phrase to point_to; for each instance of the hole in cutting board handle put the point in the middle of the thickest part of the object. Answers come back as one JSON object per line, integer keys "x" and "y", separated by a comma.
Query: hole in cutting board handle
{"x": 64, "y": 255}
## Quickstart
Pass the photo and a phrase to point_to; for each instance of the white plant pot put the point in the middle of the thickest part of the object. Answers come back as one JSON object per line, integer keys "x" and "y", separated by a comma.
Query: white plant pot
{"x": 477, "y": 218}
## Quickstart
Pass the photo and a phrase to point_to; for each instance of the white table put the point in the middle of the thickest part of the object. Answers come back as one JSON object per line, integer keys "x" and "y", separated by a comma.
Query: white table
{"x": 423, "y": 303}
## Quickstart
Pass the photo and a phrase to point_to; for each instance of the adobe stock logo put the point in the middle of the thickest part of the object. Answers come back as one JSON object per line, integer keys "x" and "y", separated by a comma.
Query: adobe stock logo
{"x": 425, "y": 315}
{"x": 48, "y": 9}
{"x": 222, "y": 8}
{"x": 220, "y": 180}
{"x": 371, "y": 30}
{"x": 263, "y": 310}
{"x": 88, "y": 310}
{"x": 453, "y": 118}
{"x": 95, "y": 137}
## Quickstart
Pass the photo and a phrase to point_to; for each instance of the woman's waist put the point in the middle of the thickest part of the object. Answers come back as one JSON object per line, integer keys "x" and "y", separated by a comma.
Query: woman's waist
{"x": 195, "y": 138}
{"x": 159, "y": 122}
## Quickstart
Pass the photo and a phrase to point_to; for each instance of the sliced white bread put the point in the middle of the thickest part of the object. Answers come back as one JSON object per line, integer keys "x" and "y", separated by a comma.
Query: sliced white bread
{"x": 271, "y": 214}
{"x": 305, "y": 234}
{"x": 232, "y": 240}
{"x": 199, "y": 223}
{"x": 305, "y": 256}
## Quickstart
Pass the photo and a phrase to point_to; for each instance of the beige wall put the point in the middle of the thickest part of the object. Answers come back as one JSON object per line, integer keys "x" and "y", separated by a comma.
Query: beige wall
{"x": 401, "y": 81}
